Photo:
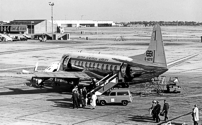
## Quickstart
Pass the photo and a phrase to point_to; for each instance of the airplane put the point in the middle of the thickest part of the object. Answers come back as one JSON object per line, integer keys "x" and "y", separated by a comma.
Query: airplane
{"x": 4, "y": 37}
{"x": 134, "y": 69}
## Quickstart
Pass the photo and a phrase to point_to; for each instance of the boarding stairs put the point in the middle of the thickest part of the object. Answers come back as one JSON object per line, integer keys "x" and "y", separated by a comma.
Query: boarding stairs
{"x": 105, "y": 84}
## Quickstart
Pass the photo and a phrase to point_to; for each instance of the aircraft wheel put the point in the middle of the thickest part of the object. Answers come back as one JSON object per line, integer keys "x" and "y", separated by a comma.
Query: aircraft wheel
{"x": 124, "y": 103}
{"x": 102, "y": 102}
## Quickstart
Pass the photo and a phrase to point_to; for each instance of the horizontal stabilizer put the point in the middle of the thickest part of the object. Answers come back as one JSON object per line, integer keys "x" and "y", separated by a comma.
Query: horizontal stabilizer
{"x": 179, "y": 61}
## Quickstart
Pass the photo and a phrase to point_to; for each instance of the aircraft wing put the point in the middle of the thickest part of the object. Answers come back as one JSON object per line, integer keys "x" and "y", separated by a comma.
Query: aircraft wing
{"x": 62, "y": 75}
{"x": 179, "y": 61}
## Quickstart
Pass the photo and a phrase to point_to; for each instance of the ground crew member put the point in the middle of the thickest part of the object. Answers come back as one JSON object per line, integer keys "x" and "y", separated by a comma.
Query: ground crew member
{"x": 93, "y": 102}
{"x": 176, "y": 81}
{"x": 165, "y": 110}
{"x": 195, "y": 115}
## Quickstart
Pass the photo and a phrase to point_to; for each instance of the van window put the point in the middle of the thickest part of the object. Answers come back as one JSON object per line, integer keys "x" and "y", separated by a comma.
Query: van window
{"x": 122, "y": 93}
{"x": 112, "y": 93}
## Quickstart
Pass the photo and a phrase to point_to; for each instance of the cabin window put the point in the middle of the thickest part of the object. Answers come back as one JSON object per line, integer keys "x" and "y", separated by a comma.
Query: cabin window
{"x": 102, "y": 67}
{"x": 98, "y": 66}
{"x": 111, "y": 67}
{"x": 86, "y": 64}
{"x": 115, "y": 68}
{"x": 81, "y": 64}
{"x": 93, "y": 65}
{"x": 90, "y": 65}
{"x": 106, "y": 67}
{"x": 75, "y": 62}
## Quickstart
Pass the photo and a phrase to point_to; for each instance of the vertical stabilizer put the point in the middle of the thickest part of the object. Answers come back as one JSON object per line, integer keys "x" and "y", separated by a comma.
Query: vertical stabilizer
{"x": 155, "y": 52}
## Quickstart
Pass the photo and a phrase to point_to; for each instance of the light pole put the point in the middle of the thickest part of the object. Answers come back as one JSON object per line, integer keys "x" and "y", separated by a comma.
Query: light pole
{"x": 52, "y": 4}
{"x": 31, "y": 26}
{"x": 177, "y": 31}
{"x": 82, "y": 16}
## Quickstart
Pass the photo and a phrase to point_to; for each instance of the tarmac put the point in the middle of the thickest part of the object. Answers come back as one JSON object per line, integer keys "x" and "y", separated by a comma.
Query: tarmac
{"x": 23, "y": 104}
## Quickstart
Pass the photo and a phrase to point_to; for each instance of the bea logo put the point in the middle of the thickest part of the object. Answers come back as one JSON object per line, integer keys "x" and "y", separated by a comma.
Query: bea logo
{"x": 149, "y": 53}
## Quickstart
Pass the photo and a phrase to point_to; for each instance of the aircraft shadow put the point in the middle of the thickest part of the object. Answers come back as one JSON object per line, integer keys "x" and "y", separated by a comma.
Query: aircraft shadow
{"x": 36, "y": 89}
{"x": 139, "y": 118}
{"x": 63, "y": 103}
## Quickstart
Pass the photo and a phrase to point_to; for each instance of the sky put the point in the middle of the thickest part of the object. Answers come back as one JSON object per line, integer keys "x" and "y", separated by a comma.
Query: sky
{"x": 109, "y": 10}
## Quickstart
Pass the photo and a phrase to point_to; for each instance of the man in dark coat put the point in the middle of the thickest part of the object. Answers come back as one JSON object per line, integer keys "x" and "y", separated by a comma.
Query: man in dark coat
{"x": 156, "y": 111}
{"x": 75, "y": 97}
{"x": 165, "y": 110}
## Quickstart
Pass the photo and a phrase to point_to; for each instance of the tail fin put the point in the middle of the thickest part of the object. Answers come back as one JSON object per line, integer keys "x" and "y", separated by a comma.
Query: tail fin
{"x": 36, "y": 66}
{"x": 155, "y": 53}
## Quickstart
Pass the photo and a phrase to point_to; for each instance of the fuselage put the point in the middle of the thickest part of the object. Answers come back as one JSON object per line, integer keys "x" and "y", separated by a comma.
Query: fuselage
{"x": 99, "y": 65}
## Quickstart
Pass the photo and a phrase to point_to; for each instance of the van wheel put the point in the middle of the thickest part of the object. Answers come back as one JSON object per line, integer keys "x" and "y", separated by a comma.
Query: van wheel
{"x": 102, "y": 102}
{"x": 124, "y": 103}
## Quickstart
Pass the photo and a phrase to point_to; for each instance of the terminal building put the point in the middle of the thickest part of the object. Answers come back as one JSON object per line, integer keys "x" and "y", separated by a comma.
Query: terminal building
{"x": 34, "y": 26}
{"x": 83, "y": 23}
{"x": 45, "y": 26}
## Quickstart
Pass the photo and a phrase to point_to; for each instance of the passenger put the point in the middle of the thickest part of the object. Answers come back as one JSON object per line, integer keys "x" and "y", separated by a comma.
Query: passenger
{"x": 93, "y": 102}
{"x": 151, "y": 109}
{"x": 84, "y": 93}
{"x": 80, "y": 98}
{"x": 156, "y": 111}
{"x": 89, "y": 98}
{"x": 165, "y": 110}
{"x": 195, "y": 115}
{"x": 75, "y": 97}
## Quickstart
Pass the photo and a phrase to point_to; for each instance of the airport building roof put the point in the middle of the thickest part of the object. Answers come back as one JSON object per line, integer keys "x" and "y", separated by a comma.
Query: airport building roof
{"x": 25, "y": 22}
